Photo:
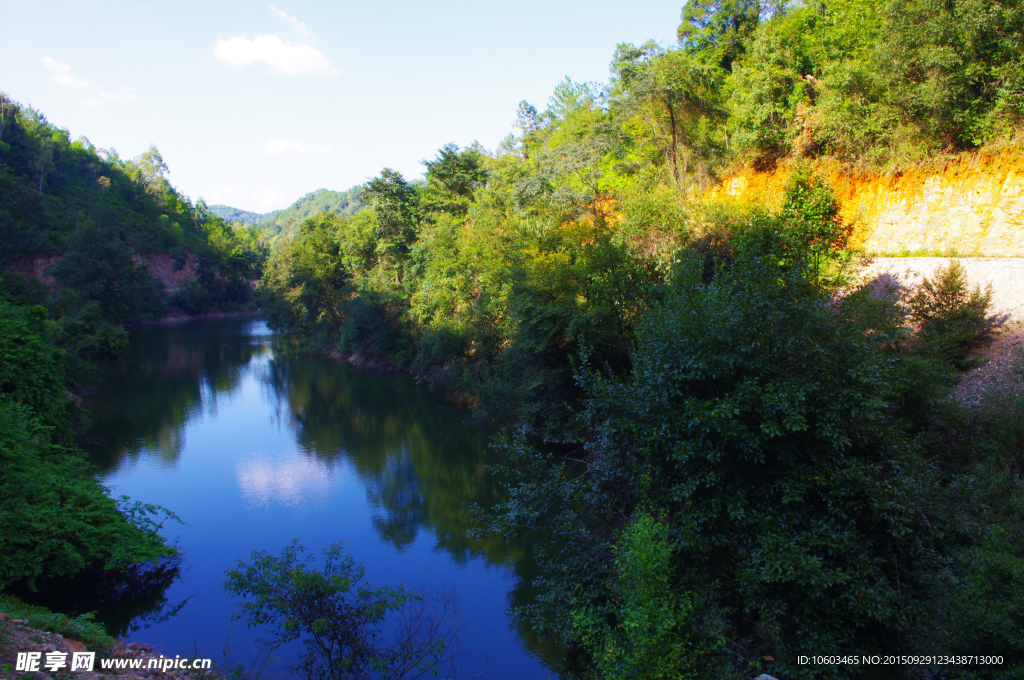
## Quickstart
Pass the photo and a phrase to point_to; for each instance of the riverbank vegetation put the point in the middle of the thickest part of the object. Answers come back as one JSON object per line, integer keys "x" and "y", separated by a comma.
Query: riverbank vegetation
{"x": 59, "y": 522}
{"x": 85, "y": 233}
{"x": 764, "y": 460}
{"x": 81, "y": 232}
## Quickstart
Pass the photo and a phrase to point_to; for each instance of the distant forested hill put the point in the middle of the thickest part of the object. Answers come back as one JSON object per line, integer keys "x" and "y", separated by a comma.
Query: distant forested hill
{"x": 341, "y": 203}
{"x": 232, "y": 215}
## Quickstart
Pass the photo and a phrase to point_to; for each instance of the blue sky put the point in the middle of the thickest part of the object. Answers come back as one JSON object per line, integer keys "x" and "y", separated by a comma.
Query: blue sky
{"x": 255, "y": 104}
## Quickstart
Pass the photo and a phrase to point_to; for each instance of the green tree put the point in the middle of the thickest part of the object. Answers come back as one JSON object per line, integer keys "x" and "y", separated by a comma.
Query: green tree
{"x": 307, "y": 281}
{"x": 8, "y": 109}
{"x": 955, "y": 69}
{"x": 456, "y": 175}
{"x": 815, "y": 235}
{"x": 676, "y": 98}
{"x": 149, "y": 169}
{"x": 101, "y": 267}
{"x": 656, "y": 634}
{"x": 717, "y": 30}
{"x": 396, "y": 206}
{"x": 58, "y": 520}
{"x": 755, "y": 419}
{"x": 952, "y": 318}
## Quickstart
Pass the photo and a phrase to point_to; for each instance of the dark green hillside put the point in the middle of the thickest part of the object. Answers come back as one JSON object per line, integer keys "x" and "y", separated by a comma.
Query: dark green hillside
{"x": 82, "y": 232}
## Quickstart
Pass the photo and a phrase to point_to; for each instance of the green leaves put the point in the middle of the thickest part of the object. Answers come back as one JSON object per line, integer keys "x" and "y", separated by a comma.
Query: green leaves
{"x": 754, "y": 424}
{"x": 453, "y": 177}
{"x": 868, "y": 82}
{"x": 656, "y": 633}
{"x": 395, "y": 203}
{"x": 673, "y": 102}
{"x": 951, "y": 317}
{"x": 58, "y": 520}
{"x": 717, "y": 30}
{"x": 307, "y": 281}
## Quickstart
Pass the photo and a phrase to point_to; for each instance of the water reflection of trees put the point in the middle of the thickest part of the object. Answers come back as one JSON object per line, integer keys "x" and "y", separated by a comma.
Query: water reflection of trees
{"x": 168, "y": 374}
{"x": 123, "y": 603}
{"x": 422, "y": 465}
{"x": 397, "y": 492}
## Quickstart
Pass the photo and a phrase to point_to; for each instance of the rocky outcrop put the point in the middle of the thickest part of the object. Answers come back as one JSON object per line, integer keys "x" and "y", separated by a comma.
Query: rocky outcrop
{"x": 970, "y": 205}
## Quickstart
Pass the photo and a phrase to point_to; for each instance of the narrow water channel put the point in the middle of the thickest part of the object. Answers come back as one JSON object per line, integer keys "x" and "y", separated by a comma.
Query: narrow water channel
{"x": 254, "y": 444}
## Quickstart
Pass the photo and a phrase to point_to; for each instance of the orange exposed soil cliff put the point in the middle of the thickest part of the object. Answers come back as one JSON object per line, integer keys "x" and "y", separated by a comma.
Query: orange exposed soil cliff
{"x": 972, "y": 205}
{"x": 161, "y": 266}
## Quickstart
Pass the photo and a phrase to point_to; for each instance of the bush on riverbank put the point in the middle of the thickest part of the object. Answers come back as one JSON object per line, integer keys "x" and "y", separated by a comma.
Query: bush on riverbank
{"x": 58, "y": 520}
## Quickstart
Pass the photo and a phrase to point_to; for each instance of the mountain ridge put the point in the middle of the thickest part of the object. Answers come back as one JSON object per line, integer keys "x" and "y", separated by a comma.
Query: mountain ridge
{"x": 343, "y": 203}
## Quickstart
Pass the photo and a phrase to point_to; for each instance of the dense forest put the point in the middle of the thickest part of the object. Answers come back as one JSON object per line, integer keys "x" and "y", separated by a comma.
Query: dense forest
{"x": 758, "y": 456}
{"x": 731, "y": 452}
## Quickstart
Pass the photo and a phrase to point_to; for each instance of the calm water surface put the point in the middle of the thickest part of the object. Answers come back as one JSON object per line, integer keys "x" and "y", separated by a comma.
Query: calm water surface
{"x": 254, "y": 444}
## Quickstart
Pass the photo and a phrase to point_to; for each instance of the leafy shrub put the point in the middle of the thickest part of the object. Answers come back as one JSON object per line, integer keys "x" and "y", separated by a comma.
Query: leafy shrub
{"x": 58, "y": 520}
{"x": 656, "y": 633}
{"x": 952, "y": 318}
{"x": 755, "y": 419}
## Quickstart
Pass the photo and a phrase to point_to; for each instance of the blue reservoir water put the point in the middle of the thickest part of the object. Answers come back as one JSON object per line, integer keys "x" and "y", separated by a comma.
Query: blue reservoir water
{"x": 255, "y": 444}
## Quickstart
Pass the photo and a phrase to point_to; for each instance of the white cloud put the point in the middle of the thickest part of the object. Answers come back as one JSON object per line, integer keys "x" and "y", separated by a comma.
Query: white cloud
{"x": 62, "y": 74}
{"x": 123, "y": 94}
{"x": 281, "y": 57}
{"x": 297, "y": 26}
{"x": 277, "y": 146}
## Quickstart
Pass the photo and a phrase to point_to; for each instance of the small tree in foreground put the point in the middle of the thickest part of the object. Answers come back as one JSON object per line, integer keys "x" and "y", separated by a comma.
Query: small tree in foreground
{"x": 952, "y": 318}
{"x": 340, "y": 621}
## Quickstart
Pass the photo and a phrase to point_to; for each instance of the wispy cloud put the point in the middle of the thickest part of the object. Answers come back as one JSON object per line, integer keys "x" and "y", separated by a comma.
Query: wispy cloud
{"x": 62, "y": 74}
{"x": 278, "y": 146}
{"x": 122, "y": 94}
{"x": 94, "y": 97}
{"x": 287, "y": 58}
{"x": 297, "y": 26}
